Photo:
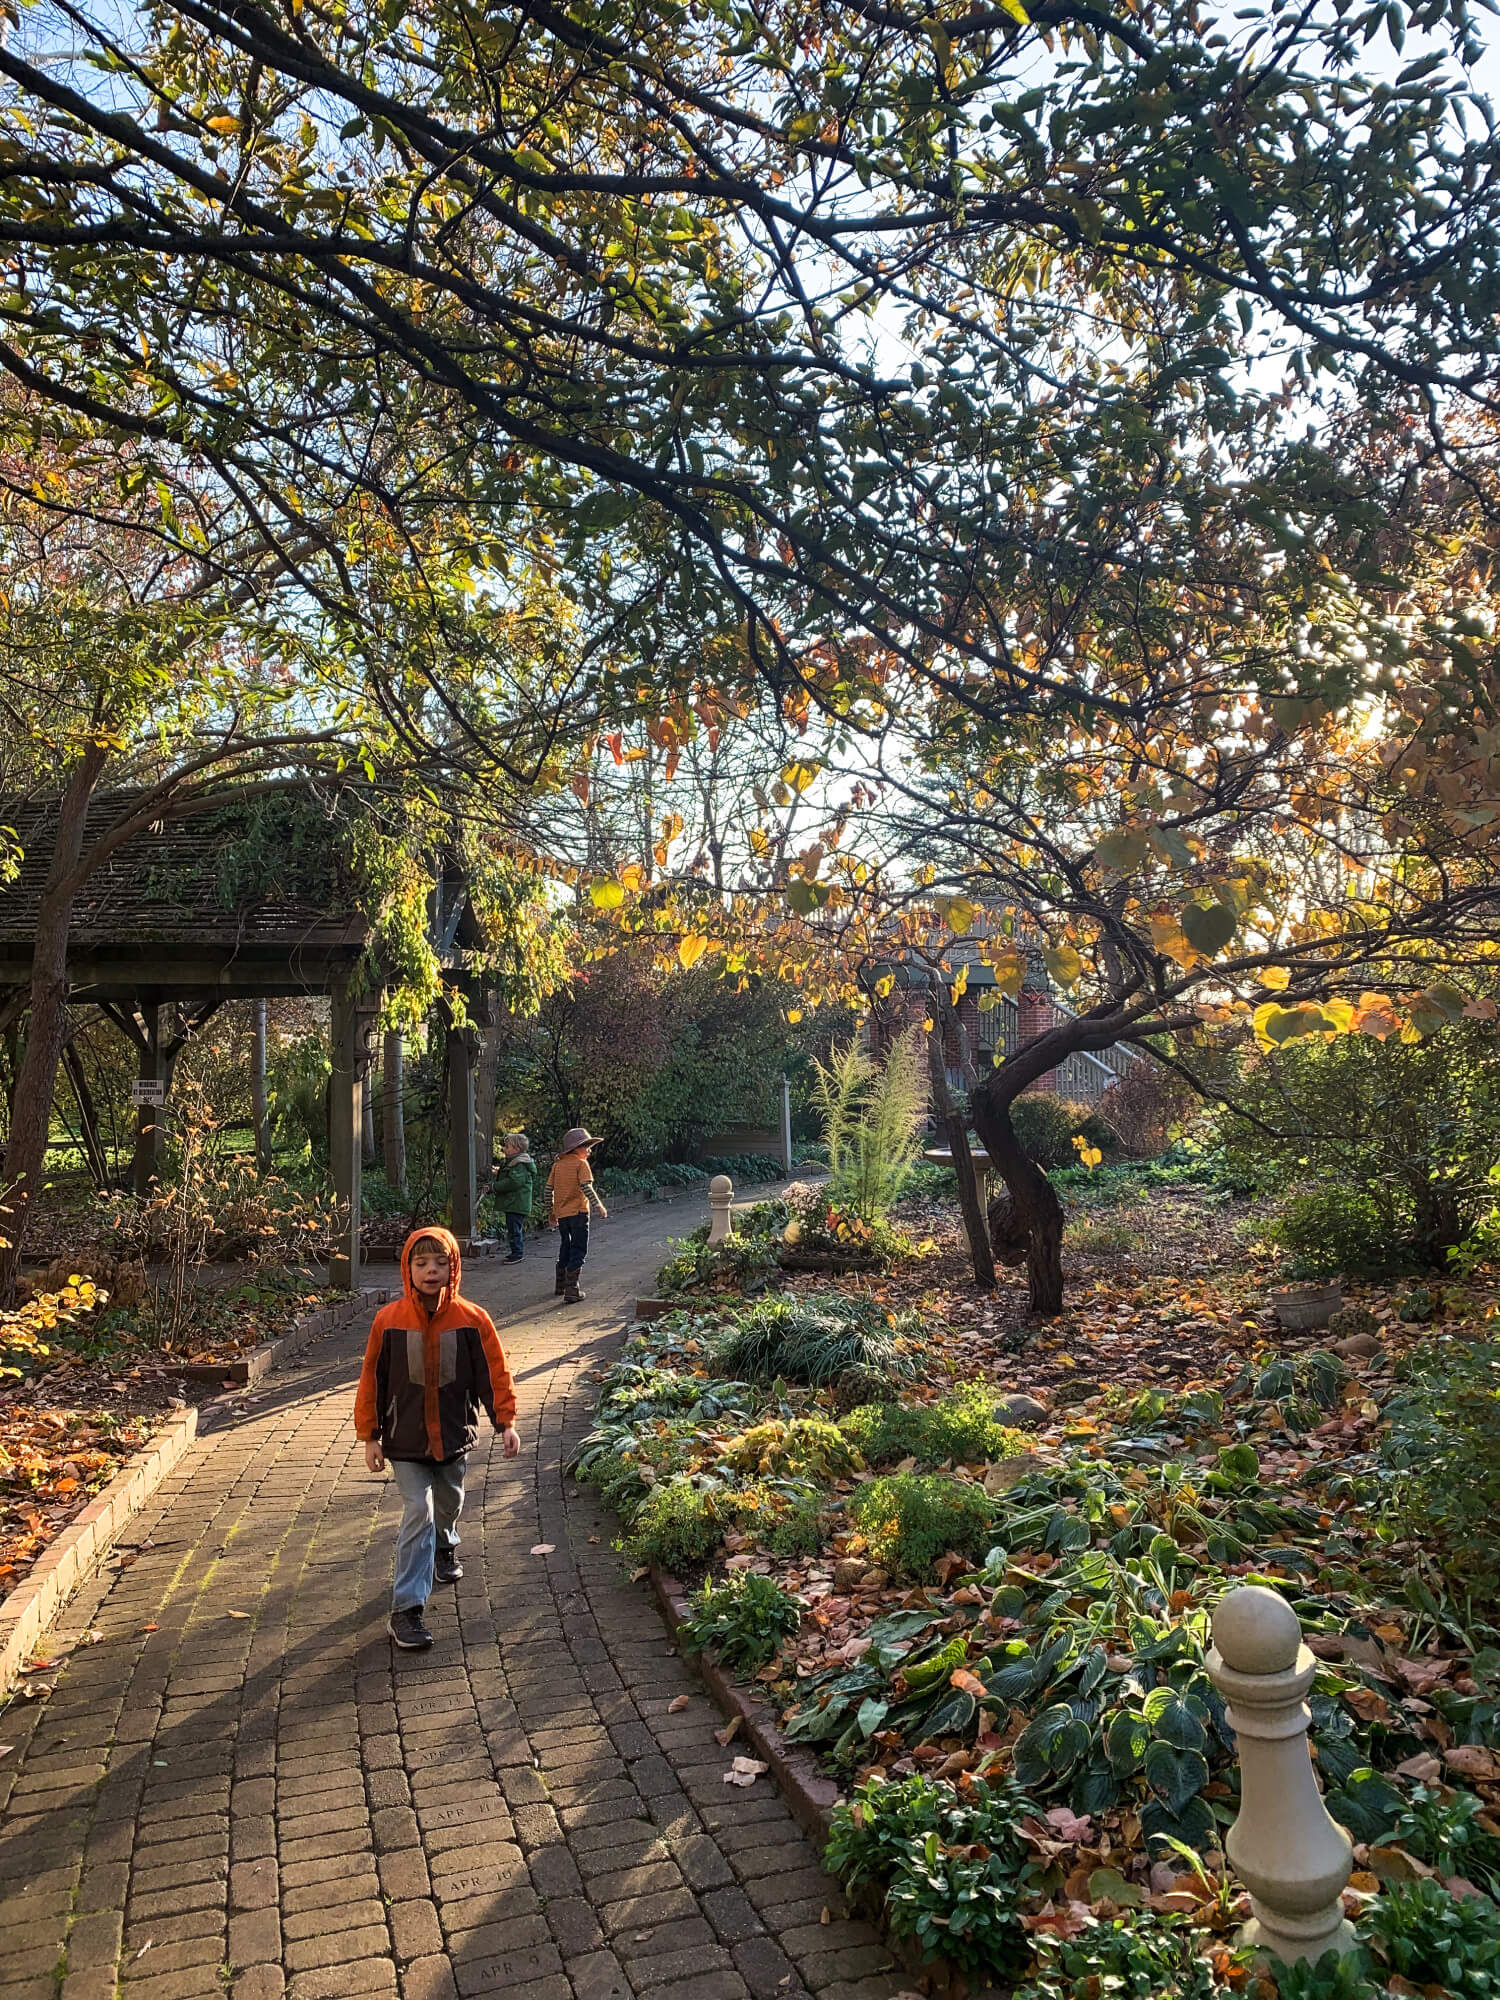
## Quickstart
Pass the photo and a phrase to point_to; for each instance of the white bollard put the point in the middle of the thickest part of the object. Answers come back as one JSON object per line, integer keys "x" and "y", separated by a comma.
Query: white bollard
{"x": 720, "y": 1207}
{"x": 1291, "y": 1856}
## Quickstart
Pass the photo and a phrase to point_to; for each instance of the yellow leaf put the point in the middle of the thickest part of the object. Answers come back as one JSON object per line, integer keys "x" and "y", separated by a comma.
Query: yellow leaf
{"x": 606, "y": 895}
{"x": 961, "y": 982}
{"x": 1064, "y": 964}
{"x": 225, "y": 124}
{"x": 1167, "y": 938}
{"x": 690, "y": 950}
{"x": 960, "y": 915}
{"x": 794, "y": 1014}
{"x": 884, "y": 984}
{"x": 1275, "y": 977}
{"x": 1010, "y": 975}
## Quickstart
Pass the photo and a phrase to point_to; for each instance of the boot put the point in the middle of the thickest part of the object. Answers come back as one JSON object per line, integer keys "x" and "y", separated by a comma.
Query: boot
{"x": 572, "y": 1296}
{"x": 562, "y": 1282}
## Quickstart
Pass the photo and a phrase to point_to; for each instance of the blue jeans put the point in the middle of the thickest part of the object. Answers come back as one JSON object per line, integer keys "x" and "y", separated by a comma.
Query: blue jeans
{"x": 515, "y": 1230}
{"x": 434, "y": 1496}
{"x": 572, "y": 1243}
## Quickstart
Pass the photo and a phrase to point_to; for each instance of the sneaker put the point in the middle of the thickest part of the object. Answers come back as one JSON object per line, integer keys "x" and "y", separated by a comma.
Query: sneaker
{"x": 446, "y": 1568}
{"x": 515, "y": 1257}
{"x": 408, "y": 1631}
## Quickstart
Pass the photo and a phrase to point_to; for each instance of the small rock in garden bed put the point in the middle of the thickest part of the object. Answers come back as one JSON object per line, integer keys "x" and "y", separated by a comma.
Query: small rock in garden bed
{"x": 1021, "y": 1409}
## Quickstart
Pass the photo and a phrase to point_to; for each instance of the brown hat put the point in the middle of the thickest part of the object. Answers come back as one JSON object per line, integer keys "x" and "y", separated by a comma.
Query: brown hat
{"x": 578, "y": 1136}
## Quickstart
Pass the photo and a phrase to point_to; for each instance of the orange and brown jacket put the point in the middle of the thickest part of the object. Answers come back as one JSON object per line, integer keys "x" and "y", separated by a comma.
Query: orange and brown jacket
{"x": 425, "y": 1376}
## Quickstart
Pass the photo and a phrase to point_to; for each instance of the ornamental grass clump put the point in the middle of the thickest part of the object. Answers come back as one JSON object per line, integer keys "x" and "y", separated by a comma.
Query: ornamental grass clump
{"x": 812, "y": 1341}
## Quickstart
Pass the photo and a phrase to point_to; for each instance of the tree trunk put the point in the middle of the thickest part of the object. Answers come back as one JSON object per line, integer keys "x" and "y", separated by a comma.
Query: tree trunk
{"x": 486, "y": 1080}
{"x": 976, "y": 1229}
{"x": 367, "y": 1128}
{"x": 258, "y": 1106}
{"x": 1034, "y": 1198}
{"x": 393, "y": 1109}
{"x": 31, "y": 1114}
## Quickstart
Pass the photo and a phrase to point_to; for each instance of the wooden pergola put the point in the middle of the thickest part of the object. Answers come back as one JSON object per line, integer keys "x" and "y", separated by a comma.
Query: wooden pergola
{"x": 169, "y": 927}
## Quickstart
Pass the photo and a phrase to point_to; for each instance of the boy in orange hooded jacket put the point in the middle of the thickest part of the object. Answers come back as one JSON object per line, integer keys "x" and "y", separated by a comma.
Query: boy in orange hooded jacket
{"x": 432, "y": 1358}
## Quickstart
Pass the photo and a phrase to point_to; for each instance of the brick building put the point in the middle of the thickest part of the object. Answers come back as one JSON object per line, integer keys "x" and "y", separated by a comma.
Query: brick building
{"x": 986, "y": 1025}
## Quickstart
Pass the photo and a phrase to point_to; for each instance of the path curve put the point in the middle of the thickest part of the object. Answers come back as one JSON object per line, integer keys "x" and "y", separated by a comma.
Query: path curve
{"x": 243, "y": 1790}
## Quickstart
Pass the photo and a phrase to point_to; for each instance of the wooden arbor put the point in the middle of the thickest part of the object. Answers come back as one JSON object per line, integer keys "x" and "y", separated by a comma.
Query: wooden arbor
{"x": 242, "y": 903}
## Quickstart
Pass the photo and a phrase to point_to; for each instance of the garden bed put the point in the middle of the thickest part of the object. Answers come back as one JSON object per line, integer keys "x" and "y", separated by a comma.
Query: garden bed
{"x": 997, "y": 1640}
{"x": 85, "y": 1385}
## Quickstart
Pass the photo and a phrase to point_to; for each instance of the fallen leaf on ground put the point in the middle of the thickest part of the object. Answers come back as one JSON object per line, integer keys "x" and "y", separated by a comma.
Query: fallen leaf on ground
{"x": 544, "y": 1549}
{"x": 678, "y": 1703}
{"x": 744, "y": 1771}
{"x": 725, "y": 1736}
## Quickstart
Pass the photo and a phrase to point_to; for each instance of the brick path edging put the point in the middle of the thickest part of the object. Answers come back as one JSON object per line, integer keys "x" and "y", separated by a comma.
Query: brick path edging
{"x": 249, "y": 1368}
{"x": 81, "y": 1547}
{"x": 810, "y": 1796}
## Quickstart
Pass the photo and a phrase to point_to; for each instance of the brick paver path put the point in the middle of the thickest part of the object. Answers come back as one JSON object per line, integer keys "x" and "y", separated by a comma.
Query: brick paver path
{"x": 243, "y": 1791}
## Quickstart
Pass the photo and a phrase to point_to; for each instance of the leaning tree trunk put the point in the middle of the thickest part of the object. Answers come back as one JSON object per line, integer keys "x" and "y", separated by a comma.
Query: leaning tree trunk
{"x": 31, "y": 1113}
{"x": 88, "y": 1116}
{"x": 976, "y": 1227}
{"x": 1034, "y": 1203}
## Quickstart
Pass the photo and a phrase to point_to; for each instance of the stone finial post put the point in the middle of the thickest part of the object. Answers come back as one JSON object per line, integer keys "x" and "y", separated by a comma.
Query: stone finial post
{"x": 1290, "y": 1855}
{"x": 720, "y": 1207}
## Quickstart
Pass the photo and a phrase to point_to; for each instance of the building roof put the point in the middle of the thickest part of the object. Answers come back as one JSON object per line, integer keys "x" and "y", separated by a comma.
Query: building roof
{"x": 247, "y": 897}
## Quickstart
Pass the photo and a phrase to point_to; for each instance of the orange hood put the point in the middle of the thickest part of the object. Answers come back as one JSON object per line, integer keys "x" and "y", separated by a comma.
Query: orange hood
{"x": 455, "y": 1263}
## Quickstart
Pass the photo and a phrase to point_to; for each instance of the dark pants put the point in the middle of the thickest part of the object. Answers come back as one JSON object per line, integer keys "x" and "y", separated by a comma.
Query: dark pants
{"x": 572, "y": 1243}
{"x": 515, "y": 1229}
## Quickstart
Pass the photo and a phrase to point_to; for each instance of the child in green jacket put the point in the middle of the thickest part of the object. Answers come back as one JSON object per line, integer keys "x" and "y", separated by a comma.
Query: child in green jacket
{"x": 514, "y": 1190}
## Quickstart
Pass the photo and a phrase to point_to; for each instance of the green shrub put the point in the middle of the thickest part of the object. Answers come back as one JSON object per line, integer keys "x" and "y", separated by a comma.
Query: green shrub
{"x": 961, "y": 1427}
{"x": 618, "y": 1183}
{"x": 1408, "y": 1130}
{"x": 806, "y": 1448}
{"x": 1443, "y": 1439}
{"x": 744, "y": 1169}
{"x": 786, "y": 1520}
{"x": 909, "y": 1519}
{"x": 675, "y": 1526}
{"x": 1044, "y": 1123}
{"x": 1332, "y": 1231}
{"x": 744, "y": 1619}
{"x": 948, "y": 1865}
{"x": 1136, "y": 1957}
{"x": 810, "y": 1340}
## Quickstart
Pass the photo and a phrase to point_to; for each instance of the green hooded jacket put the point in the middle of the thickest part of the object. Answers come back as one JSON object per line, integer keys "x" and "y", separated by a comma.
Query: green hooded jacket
{"x": 514, "y": 1185}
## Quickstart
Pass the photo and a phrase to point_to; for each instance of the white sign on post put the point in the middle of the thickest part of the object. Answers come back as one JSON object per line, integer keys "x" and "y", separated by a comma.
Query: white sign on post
{"x": 148, "y": 1090}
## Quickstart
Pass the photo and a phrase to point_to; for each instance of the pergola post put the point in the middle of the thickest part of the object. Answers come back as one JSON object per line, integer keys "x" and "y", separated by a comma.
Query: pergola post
{"x": 345, "y": 1120}
{"x": 149, "y": 1117}
{"x": 463, "y": 1193}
